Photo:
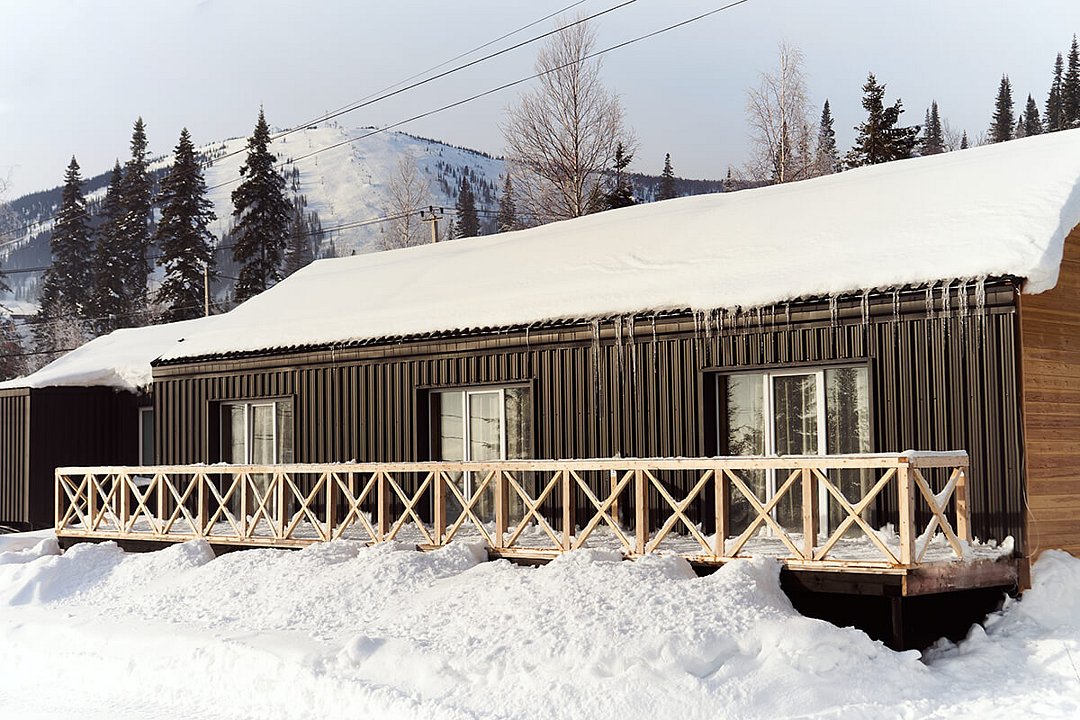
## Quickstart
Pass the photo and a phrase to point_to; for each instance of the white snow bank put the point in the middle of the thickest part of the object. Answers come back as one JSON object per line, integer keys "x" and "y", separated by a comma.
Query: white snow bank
{"x": 994, "y": 210}
{"x": 120, "y": 359}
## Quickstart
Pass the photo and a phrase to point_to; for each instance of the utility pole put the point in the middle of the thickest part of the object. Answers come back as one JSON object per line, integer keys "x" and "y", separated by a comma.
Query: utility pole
{"x": 432, "y": 215}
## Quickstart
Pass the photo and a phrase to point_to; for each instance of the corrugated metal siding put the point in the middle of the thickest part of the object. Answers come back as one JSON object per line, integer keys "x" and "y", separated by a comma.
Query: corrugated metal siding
{"x": 940, "y": 383}
{"x": 14, "y": 455}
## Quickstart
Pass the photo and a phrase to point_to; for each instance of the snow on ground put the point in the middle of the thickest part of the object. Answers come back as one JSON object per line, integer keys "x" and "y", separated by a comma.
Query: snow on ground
{"x": 997, "y": 210}
{"x": 342, "y": 630}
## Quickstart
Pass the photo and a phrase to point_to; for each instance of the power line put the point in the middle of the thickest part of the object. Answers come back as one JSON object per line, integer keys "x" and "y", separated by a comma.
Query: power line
{"x": 388, "y": 92}
{"x": 506, "y": 86}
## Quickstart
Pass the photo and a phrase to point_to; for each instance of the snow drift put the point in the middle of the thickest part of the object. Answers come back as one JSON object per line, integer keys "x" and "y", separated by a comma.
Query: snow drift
{"x": 344, "y": 630}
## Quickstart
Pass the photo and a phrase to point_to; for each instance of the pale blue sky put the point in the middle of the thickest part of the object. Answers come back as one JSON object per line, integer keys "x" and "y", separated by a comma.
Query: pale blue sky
{"x": 78, "y": 72}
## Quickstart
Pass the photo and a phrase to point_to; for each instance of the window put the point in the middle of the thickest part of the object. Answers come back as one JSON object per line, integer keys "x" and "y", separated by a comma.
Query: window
{"x": 478, "y": 425}
{"x": 257, "y": 433}
{"x": 795, "y": 412}
{"x": 146, "y": 436}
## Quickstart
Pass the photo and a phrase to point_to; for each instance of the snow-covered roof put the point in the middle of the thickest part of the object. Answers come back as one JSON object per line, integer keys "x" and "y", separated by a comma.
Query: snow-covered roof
{"x": 995, "y": 210}
{"x": 120, "y": 359}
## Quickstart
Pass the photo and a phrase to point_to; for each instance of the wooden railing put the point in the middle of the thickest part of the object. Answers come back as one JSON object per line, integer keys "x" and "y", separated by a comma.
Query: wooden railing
{"x": 707, "y": 509}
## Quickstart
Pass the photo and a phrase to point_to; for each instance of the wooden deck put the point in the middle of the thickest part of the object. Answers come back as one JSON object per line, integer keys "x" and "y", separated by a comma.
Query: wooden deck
{"x": 533, "y": 510}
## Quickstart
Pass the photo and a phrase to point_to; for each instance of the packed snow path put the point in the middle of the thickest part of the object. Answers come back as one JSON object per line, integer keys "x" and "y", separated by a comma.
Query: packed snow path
{"x": 341, "y": 630}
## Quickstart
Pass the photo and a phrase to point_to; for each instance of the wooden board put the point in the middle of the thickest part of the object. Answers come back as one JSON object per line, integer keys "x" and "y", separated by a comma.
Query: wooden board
{"x": 1050, "y": 362}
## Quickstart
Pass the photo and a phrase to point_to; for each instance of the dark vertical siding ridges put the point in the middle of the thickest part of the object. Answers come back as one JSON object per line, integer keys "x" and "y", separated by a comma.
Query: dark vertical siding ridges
{"x": 942, "y": 381}
{"x": 14, "y": 456}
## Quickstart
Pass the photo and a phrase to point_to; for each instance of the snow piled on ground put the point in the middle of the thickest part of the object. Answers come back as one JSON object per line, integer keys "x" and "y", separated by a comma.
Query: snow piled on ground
{"x": 343, "y": 630}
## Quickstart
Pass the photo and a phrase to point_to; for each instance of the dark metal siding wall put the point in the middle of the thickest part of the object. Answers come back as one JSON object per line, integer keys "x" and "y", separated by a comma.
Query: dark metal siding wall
{"x": 14, "y": 455}
{"x": 77, "y": 426}
{"x": 939, "y": 383}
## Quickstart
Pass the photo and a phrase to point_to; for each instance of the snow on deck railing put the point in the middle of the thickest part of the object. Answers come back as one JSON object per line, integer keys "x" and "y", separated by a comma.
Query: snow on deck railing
{"x": 811, "y": 510}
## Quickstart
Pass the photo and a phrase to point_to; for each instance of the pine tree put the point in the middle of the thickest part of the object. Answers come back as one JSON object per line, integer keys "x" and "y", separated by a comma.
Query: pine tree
{"x": 182, "y": 235}
{"x": 1001, "y": 127}
{"x": 1070, "y": 88}
{"x": 506, "y": 218}
{"x": 879, "y": 139}
{"x": 133, "y": 233}
{"x": 66, "y": 285}
{"x": 108, "y": 261}
{"x": 667, "y": 189}
{"x": 263, "y": 213}
{"x": 12, "y": 353}
{"x": 468, "y": 224}
{"x": 621, "y": 192}
{"x": 827, "y": 159}
{"x": 1055, "y": 110}
{"x": 1032, "y": 122}
{"x": 964, "y": 141}
{"x": 300, "y": 248}
{"x": 933, "y": 140}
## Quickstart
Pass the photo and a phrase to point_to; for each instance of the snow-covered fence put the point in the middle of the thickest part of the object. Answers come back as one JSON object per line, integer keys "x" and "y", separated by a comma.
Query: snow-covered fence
{"x": 907, "y": 508}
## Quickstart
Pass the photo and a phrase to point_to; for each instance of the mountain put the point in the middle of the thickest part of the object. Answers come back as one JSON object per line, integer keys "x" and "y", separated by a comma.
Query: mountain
{"x": 348, "y": 186}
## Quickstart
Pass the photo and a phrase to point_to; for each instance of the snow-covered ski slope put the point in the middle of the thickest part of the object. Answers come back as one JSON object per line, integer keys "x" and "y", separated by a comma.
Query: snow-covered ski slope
{"x": 340, "y": 630}
{"x": 351, "y": 183}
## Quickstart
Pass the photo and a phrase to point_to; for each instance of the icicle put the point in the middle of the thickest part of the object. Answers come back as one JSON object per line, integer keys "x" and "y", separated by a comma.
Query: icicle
{"x": 787, "y": 313}
{"x": 962, "y": 296}
{"x": 834, "y": 309}
{"x": 596, "y": 357}
{"x": 527, "y": 327}
{"x": 864, "y": 307}
{"x": 930, "y": 301}
{"x": 946, "y": 310}
{"x": 633, "y": 347}
{"x": 980, "y": 295}
{"x": 618, "y": 340}
{"x": 896, "y": 304}
{"x": 654, "y": 339}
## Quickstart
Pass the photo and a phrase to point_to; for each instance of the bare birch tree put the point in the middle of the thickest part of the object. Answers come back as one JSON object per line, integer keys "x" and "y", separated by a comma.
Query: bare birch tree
{"x": 561, "y": 135}
{"x": 781, "y": 127}
{"x": 409, "y": 192}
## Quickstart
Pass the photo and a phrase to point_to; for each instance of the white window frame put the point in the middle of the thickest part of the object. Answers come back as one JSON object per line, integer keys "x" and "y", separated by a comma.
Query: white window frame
{"x": 249, "y": 428}
{"x": 769, "y": 407}
{"x": 466, "y": 432}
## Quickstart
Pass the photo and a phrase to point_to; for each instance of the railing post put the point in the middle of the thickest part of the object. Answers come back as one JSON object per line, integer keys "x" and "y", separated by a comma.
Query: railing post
{"x": 125, "y": 506}
{"x": 722, "y": 504}
{"x": 201, "y": 510}
{"x": 963, "y": 524}
{"x": 383, "y": 497}
{"x": 331, "y": 507}
{"x": 245, "y": 502}
{"x": 439, "y": 494}
{"x": 614, "y": 478}
{"x": 159, "y": 499}
{"x": 58, "y": 500}
{"x": 906, "y": 492}
{"x": 567, "y": 509}
{"x": 641, "y": 511}
{"x": 502, "y": 508}
{"x": 809, "y": 513}
{"x": 91, "y": 501}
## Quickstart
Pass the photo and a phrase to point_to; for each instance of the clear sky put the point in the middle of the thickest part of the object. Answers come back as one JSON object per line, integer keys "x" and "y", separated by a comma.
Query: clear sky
{"x": 78, "y": 72}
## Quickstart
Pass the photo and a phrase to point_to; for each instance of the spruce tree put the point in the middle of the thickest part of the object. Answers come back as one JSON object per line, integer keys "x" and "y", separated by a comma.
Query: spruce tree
{"x": 1055, "y": 110}
{"x": 506, "y": 218}
{"x": 667, "y": 189}
{"x": 299, "y": 250}
{"x": 621, "y": 192}
{"x": 66, "y": 284}
{"x": 879, "y": 139}
{"x": 12, "y": 353}
{"x": 133, "y": 233}
{"x": 108, "y": 260}
{"x": 827, "y": 159}
{"x": 183, "y": 237}
{"x": 1032, "y": 122}
{"x": 1001, "y": 126}
{"x": 933, "y": 140}
{"x": 1070, "y": 88}
{"x": 964, "y": 141}
{"x": 468, "y": 224}
{"x": 263, "y": 212}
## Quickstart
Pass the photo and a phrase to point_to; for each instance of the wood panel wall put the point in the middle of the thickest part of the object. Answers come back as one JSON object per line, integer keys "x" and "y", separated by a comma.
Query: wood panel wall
{"x": 14, "y": 456}
{"x": 1050, "y": 327}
